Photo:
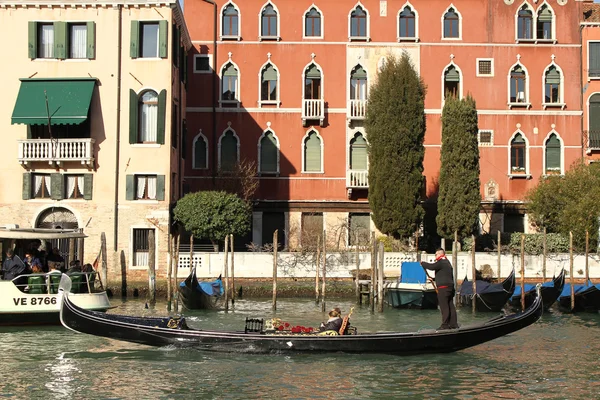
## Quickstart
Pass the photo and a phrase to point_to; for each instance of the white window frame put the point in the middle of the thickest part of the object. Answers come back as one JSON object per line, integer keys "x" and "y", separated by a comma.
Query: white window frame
{"x": 590, "y": 78}
{"x": 304, "y": 36}
{"x": 131, "y": 252}
{"x": 527, "y": 103}
{"x": 351, "y": 134}
{"x": 238, "y": 96}
{"x": 277, "y": 100}
{"x": 414, "y": 10}
{"x": 542, "y": 40}
{"x": 141, "y": 39}
{"x": 477, "y": 60}
{"x": 302, "y": 146}
{"x": 348, "y": 245}
{"x": 260, "y": 12}
{"x": 199, "y": 136}
{"x": 259, "y": 148}
{"x": 322, "y": 80}
{"x": 452, "y": 64}
{"x": 210, "y": 64}
{"x": 366, "y": 38}
{"x": 562, "y": 152}
{"x": 481, "y": 144}
{"x": 533, "y": 22}
{"x": 237, "y": 37}
{"x": 561, "y": 104}
{"x": 460, "y": 23}
{"x": 228, "y": 129}
{"x": 527, "y": 174}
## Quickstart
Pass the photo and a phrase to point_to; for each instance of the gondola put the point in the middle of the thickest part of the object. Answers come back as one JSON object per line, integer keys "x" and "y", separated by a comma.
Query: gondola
{"x": 490, "y": 296}
{"x": 413, "y": 289}
{"x": 550, "y": 292}
{"x": 258, "y": 338}
{"x": 587, "y": 298}
{"x": 199, "y": 295}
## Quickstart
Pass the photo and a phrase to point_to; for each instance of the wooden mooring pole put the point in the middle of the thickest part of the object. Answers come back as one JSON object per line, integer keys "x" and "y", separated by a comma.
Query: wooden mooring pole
{"x": 380, "y": 277}
{"x": 318, "y": 270}
{"x": 176, "y": 272}
{"x": 226, "y": 268}
{"x": 104, "y": 263}
{"x": 323, "y": 306}
{"x": 523, "y": 272}
{"x": 572, "y": 278}
{"x": 587, "y": 255}
{"x": 192, "y": 264}
{"x": 474, "y": 272}
{"x": 373, "y": 268}
{"x": 151, "y": 267}
{"x": 357, "y": 280}
{"x": 233, "y": 269}
{"x": 274, "y": 305}
{"x": 499, "y": 274}
{"x": 170, "y": 271}
{"x": 455, "y": 262}
{"x": 544, "y": 250}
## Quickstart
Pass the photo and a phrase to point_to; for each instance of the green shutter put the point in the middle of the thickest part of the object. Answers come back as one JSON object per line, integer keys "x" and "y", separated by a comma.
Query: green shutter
{"x": 228, "y": 151}
{"x": 312, "y": 153}
{"x": 183, "y": 139}
{"x": 162, "y": 109}
{"x": 160, "y": 187}
{"x": 32, "y": 41}
{"x": 230, "y": 70}
{"x": 57, "y": 186}
{"x": 163, "y": 45}
{"x": 200, "y": 153}
{"x": 176, "y": 49}
{"x": 134, "y": 45}
{"x": 553, "y": 152}
{"x": 91, "y": 40}
{"x": 452, "y": 75}
{"x": 185, "y": 67}
{"x": 594, "y": 56}
{"x": 359, "y": 73}
{"x": 358, "y": 153}
{"x": 26, "y": 186}
{"x": 88, "y": 180}
{"x": 268, "y": 153}
{"x": 545, "y": 15}
{"x": 553, "y": 76}
{"x": 60, "y": 40}
{"x": 594, "y": 113}
{"x": 130, "y": 187}
{"x": 29, "y": 133}
{"x": 133, "y": 116}
{"x": 269, "y": 74}
{"x": 312, "y": 72}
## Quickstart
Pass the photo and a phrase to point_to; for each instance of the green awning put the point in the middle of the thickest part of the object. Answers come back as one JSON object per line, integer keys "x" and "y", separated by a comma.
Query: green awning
{"x": 68, "y": 101}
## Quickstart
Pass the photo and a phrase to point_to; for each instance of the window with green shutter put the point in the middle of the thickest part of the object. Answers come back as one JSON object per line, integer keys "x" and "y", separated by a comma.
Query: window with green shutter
{"x": 594, "y": 59}
{"x": 26, "y": 191}
{"x": 553, "y": 154}
{"x": 268, "y": 154}
{"x": 517, "y": 154}
{"x": 228, "y": 151}
{"x": 200, "y": 160}
{"x": 451, "y": 82}
{"x": 312, "y": 153}
{"x": 148, "y": 39}
{"x": 358, "y": 153}
{"x": 268, "y": 89}
{"x": 594, "y": 114}
{"x": 359, "y": 229}
{"x": 552, "y": 86}
{"x": 57, "y": 186}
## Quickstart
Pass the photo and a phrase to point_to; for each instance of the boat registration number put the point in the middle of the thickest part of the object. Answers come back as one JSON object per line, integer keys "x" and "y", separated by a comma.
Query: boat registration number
{"x": 34, "y": 301}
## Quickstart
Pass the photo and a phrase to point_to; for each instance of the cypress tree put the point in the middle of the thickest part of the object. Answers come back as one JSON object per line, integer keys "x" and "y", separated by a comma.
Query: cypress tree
{"x": 395, "y": 126}
{"x": 459, "y": 187}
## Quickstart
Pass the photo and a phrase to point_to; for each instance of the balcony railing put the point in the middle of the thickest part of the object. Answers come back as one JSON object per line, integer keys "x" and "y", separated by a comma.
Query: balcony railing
{"x": 357, "y": 110}
{"x": 357, "y": 178}
{"x": 313, "y": 110}
{"x": 593, "y": 142}
{"x": 56, "y": 150}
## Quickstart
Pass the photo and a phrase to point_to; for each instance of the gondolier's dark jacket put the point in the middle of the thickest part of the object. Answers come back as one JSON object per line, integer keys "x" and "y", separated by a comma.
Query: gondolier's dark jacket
{"x": 443, "y": 272}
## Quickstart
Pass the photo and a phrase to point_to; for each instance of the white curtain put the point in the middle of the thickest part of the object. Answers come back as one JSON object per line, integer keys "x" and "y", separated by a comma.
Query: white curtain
{"x": 80, "y": 184}
{"x": 48, "y": 185}
{"x": 37, "y": 184}
{"x": 70, "y": 186}
{"x": 151, "y": 187}
{"x": 46, "y": 48}
{"x": 78, "y": 41}
{"x": 149, "y": 117}
{"x": 141, "y": 186}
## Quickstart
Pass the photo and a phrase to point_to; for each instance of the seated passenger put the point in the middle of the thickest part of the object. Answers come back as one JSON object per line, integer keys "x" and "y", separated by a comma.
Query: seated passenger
{"x": 31, "y": 260}
{"x": 74, "y": 267}
{"x": 334, "y": 323}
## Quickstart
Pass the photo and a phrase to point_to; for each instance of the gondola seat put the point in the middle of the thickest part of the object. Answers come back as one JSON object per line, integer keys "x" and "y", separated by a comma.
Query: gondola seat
{"x": 37, "y": 285}
{"x": 54, "y": 282}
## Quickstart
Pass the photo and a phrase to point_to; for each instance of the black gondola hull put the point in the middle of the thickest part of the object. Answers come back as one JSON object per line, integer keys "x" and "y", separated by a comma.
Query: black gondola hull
{"x": 586, "y": 300}
{"x": 193, "y": 297}
{"x": 492, "y": 301}
{"x": 549, "y": 294}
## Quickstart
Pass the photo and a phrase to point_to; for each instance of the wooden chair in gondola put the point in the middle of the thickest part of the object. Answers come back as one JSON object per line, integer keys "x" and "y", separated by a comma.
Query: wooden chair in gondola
{"x": 254, "y": 325}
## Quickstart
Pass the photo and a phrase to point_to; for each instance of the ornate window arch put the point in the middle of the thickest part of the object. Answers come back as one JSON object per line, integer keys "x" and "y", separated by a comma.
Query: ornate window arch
{"x": 200, "y": 151}
{"x": 229, "y": 150}
{"x": 313, "y": 23}
{"x": 545, "y": 23}
{"x": 231, "y": 21}
{"x": 452, "y": 81}
{"x": 451, "y": 24}
{"x": 553, "y": 84}
{"x": 268, "y": 83}
{"x": 518, "y": 85}
{"x": 518, "y": 155}
{"x": 268, "y": 152}
{"x": 358, "y": 23}
{"x": 230, "y": 83}
{"x": 269, "y": 22}
{"x": 312, "y": 152}
{"x": 553, "y": 154}
{"x": 408, "y": 23}
{"x": 525, "y": 22}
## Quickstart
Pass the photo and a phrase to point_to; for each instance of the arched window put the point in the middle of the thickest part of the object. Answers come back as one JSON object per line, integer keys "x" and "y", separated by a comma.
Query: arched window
{"x": 451, "y": 82}
{"x": 200, "y": 153}
{"x": 229, "y": 151}
{"x": 312, "y": 153}
{"x": 269, "y": 160}
{"x": 518, "y": 150}
{"x": 358, "y": 23}
{"x": 406, "y": 25}
{"x": 312, "y": 23}
{"x": 312, "y": 83}
{"x": 229, "y": 83}
{"x": 358, "y": 83}
{"x": 594, "y": 119}
{"x": 544, "y": 23}
{"x": 268, "y": 88}
{"x": 552, "y": 86}
{"x": 358, "y": 153}
{"x": 451, "y": 24}
{"x": 553, "y": 155}
{"x": 148, "y": 117}
{"x": 230, "y": 22}
{"x": 518, "y": 85}
{"x": 269, "y": 22}
{"x": 525, "y": 23}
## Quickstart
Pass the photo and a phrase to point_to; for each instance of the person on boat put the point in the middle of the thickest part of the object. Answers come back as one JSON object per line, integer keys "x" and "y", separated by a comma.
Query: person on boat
{"x": 13, "y": 266}
{"x": 444, "y": 280}
{"x": 334, "y": 323}
{"x": 56, "y": 258}
{"x": 74, "y": 266}
{"x": 31, "y": 260}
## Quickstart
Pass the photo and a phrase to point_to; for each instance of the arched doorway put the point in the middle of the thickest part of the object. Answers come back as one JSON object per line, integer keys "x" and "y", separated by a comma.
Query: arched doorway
{"x": 61, "y": 218}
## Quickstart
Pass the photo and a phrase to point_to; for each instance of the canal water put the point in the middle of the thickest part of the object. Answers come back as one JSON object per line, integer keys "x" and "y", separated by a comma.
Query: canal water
{"x": 557, "y": 358}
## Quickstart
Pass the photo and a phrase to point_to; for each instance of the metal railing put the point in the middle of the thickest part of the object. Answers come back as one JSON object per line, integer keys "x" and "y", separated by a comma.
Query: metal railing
{"x": 357, "y": 109}
{"x": 56, "y": 150}
{"x": 593, "y": 139}
{"x": 357, "y": 178}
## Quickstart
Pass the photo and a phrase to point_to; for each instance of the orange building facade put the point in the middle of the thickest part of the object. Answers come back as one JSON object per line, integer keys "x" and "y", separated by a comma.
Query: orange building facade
{"x": 290, "y": 91}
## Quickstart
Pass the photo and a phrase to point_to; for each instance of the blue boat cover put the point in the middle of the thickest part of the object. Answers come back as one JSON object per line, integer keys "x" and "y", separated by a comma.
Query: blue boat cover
{"x": 214, "y": 288}
{"x": 529, "y": 287}
{"x": 578, "y": 288}
{"x": 412, "y": 272}
{"x": 466, "y": 288}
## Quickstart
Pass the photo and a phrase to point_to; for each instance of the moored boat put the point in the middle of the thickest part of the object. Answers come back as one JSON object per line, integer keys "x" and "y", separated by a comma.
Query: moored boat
{"x": 257, "y": 338}
{"x": 197, "y": 295}
{"x": 587, "y": 297}
{"x": 413, "y": 289}
{"x": 489, "y": 296}
{"x": 550, "y": 291}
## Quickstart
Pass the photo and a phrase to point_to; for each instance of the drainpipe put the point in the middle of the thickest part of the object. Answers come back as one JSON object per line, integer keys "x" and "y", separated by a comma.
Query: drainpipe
{"x": 118, "y": 130}
{"x": 215, "y": 93}
{"x": 583, "y": 144}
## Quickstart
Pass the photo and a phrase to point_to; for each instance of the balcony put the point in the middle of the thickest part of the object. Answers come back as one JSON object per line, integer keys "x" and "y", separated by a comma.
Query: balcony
{"x": 313, "y": 110}
{"x": 593, "y": 140}
{"x": 357, "y": 110}
{"x": 57, "y": 151}
{"x": 357, "y": 179}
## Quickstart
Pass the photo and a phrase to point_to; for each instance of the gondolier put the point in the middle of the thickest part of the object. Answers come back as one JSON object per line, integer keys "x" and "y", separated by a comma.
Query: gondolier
{"x": 444, "y": 280}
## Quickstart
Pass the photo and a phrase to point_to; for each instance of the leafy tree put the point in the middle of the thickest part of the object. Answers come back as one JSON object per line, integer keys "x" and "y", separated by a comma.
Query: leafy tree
{"x": 395, "y": 127}
{"x": 568, "y": 204}
{"x": 213, "y": 214}
{"x": 459, "y": 196}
